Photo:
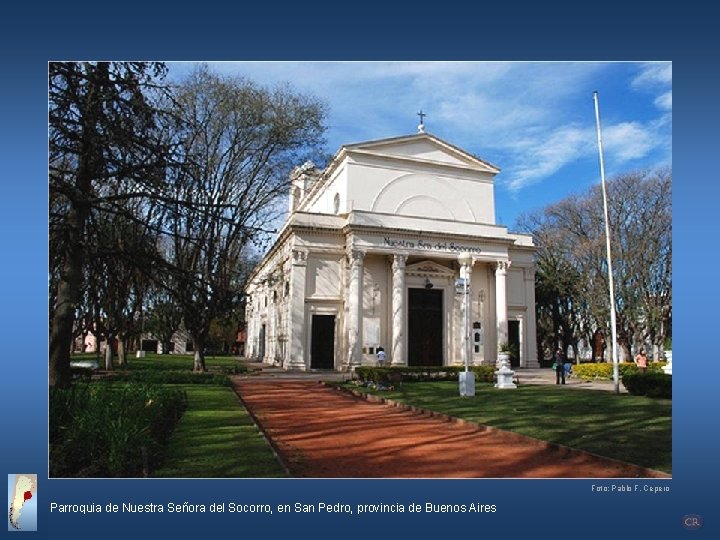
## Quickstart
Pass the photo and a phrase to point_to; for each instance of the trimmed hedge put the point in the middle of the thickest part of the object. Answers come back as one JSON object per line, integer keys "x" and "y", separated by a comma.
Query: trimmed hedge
{"x": 391, "y": 374}
{"x": 651, "y": 384}
{"x": 237, "y": 369}
{"x": 172, "y": 377}
{"x": 604, "y": 371}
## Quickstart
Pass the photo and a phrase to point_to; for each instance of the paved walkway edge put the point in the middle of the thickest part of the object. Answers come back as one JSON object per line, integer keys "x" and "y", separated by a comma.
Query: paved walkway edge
{"x": 273, "y": 448}
{"x": 519, "y": 438}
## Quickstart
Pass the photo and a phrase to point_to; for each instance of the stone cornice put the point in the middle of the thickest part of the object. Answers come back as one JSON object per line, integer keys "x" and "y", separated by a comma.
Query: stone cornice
{"x": 414, "y": 233}
{"x": 422, "y": 164}
{"x": 300, "y": 222}
{"x": 450, "y": 148}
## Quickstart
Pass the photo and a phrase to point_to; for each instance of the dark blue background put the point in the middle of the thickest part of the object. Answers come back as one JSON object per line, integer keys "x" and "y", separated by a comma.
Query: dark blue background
{"x": 211, "y": 30}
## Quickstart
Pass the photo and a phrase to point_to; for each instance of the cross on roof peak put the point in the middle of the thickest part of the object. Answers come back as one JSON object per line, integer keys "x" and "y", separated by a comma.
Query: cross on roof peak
{"x": 421, "y": 127}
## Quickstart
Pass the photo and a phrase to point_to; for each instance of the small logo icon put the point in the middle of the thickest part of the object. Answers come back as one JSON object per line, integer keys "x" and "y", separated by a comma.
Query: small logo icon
{"x": 692, "y": 522}
{"x": 22, "y": 502}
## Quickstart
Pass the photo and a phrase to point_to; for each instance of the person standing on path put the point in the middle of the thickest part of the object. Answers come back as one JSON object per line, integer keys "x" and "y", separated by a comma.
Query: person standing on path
{"x": 641, "y": 361}
{"x": 381, "y": 356}
{"x": 559, "y": 367}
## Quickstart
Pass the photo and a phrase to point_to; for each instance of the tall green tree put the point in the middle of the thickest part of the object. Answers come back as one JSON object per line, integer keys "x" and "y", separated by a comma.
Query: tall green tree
{"x": 163, "y": 317}
{"x": 572, "y": 280}
{"x": 105, "y": 148}
{"x": 236, "y": 145}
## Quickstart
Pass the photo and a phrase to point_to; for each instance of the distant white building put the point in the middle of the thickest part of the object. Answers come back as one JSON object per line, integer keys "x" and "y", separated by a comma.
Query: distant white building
{"x": 180, "y": 343}
{"x": 368, "y": 258}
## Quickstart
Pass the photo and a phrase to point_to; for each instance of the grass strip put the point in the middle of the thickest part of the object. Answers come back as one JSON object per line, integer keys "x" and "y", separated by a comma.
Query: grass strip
{"x": 216, "y": 438}
{"x": 634, "y": 429}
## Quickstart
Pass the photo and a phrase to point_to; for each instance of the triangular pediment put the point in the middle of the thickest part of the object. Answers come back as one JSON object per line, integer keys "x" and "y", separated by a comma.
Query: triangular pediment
{"x": 428, "y": 268}
{"x": 423, "y": 147}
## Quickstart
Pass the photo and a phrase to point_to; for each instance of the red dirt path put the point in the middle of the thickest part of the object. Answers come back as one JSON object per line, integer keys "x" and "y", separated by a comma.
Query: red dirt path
{"x": 320, "y": 432}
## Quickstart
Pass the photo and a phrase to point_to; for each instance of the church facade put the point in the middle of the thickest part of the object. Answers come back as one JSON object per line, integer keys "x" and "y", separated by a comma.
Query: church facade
{"x": 370, "y": 256}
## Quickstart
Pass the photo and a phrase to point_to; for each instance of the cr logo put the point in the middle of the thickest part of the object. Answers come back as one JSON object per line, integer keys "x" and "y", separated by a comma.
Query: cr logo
{"x": 692, "y": 521}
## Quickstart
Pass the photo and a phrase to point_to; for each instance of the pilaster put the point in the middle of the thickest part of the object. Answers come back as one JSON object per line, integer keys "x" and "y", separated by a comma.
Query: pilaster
{"x": 501, "y": 269}
{"x": 354, "y": 299}
{"x": 532, "y": 357}
{"x": 296, "y": 311}
{"x": 398, "y": 356}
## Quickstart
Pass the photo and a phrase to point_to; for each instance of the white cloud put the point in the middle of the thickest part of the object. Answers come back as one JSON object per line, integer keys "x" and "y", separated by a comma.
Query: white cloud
{"x": 656, "y": 78}
{"x": 653, "y": 74}
{"x": 664, "y": 101}
{"x": 533, "y": 119}
{"x": 627, "y": 141}
{"x": 543, "y": 154}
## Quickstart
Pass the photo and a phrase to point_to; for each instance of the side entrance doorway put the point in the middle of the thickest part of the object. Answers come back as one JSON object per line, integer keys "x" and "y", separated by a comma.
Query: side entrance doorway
{"x": 425, "y": 327}
{"x": 261, "y": 343}
{"x": 514, "y": 341}
{"x": 322, "y": 345}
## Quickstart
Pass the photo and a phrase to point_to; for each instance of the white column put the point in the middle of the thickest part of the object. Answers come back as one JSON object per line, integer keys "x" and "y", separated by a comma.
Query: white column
{"x": 271, "y": 330}
{"x": 530, "y": 327}
{"x": 256, "y": 331}
{"x": 249, "y": 328}
{"x": 251, "y": 340}
{"x": 501, "y": 268}
{"x": 354, "y": 298}
{"x": 398, "y": 357}
{"x": 296, "y": 323}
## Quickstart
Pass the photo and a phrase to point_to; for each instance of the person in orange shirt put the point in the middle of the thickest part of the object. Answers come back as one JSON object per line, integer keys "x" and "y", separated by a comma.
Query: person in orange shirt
{"x": 641, "y": 361}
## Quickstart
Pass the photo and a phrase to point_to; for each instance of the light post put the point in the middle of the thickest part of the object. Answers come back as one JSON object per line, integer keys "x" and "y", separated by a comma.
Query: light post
{"x": 611, "y": 285}
{"x": 467, "y": 378}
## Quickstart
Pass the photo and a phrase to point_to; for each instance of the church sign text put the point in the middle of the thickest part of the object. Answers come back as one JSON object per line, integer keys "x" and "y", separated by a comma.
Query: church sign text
{"x": 429, "y": 246}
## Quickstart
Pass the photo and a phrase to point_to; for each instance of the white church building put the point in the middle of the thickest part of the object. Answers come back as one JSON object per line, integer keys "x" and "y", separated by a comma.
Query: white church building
{"x": 369, "y": 257}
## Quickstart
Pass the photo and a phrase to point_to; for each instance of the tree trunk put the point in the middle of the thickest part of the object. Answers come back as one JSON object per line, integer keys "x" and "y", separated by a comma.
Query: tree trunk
{"x": 122, "y": 359}
{"x": 68, "y": 296}
{"x": 109, "y": 354}
{"x": 199, "y": 356}
{"x": 61, "y": 336}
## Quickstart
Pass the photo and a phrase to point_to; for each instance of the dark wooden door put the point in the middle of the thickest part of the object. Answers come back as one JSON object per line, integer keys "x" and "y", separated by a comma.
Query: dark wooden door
{"x": 261, "y": 344}
{"x": 322, "y": 347}
{"x": 514, "y": 341}
{"x": 425, "y": 332}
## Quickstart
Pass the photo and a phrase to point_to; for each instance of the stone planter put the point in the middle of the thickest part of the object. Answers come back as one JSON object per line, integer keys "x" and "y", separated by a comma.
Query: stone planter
{"x": 504, "y": 374}
{"x": 503, "y": 360}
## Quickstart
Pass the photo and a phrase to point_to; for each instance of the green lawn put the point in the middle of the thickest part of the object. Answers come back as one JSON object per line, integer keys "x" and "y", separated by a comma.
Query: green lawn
{"x": 634, "y": 429}
{"x": 216, "y": 438}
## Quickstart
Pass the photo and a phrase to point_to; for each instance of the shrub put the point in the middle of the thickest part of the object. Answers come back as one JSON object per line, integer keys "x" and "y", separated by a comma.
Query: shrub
{"x": 604, "y": 371}
{"x": 236, "y": 369}
{"x": 111, "y": 429}
{"x": 652, "y": 384}
{"x": 386, "y": 375}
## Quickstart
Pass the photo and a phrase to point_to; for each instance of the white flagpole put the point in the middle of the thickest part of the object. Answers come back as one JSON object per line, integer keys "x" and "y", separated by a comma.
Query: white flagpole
{"x": 613, "y": 329}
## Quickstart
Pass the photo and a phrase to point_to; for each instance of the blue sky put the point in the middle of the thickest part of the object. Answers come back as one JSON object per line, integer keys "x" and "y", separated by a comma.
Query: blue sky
{"x": 534, "y": 120}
